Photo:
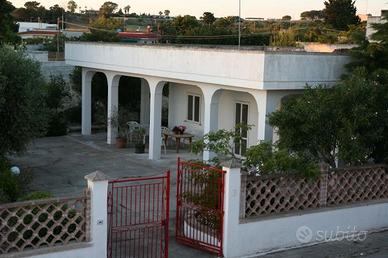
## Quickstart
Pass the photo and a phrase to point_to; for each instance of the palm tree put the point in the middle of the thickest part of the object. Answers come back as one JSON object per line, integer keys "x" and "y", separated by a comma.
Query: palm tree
{"x": 167, "y": 13}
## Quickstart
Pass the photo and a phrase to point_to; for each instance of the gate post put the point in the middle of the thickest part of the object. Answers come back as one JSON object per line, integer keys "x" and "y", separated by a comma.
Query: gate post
{"x": 231, "y": 207}
{"x": 98, "y": 187}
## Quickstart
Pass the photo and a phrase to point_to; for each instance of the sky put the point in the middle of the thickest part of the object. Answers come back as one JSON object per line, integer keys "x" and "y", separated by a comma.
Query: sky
{"x": 250, "y": 8}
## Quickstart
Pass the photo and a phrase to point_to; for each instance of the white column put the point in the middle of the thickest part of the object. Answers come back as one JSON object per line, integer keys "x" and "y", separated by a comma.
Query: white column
{"x": 155, "y": 134}
{"x": 145, "y": 103}
{"x": 98, "y": 187}
{"x": 262, "y": 126}
{"x": 86, "y": 102}
{"x": 113, "y": 105}
{"x": 232, "y": 190}
{"x": 210, "y": 119}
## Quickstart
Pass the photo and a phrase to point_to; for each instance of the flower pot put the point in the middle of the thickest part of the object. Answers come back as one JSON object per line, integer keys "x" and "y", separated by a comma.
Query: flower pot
{"x": 140, "y": 148}
{"x": 121, "y": 142}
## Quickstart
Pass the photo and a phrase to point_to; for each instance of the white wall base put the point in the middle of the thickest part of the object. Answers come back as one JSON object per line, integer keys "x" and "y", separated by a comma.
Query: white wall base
{"x": 246, "y": 239}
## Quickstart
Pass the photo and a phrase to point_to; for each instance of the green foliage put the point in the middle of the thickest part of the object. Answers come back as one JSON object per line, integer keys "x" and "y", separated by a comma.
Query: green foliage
{"x": 23, "y": 111}
{"x": 57, "y": 92}
{"x": 36, "y": 196}
{"x": 221, "y": 142}
{"x": 207, "y": 200}
{"x": 12, "y": 187}
{"x": 8, "y": 27}
{"x": 346, "y": 122}
{"x": 208, "y": 18}
{"x": 372, "y": 55}
{"x": 72, "y": 6}
{"x": 312, "y": 15}
{"x": 267, "y": 159}
{"x": 340, "y": 13}
{"x": 107, "y": 9}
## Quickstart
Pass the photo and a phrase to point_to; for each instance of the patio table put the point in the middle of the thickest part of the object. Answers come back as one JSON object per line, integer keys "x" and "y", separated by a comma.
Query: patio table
{"x": 178, "y": 138}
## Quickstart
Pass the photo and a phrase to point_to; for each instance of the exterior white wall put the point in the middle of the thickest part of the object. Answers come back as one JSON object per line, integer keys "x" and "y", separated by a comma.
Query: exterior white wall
{"x": 372, "y": 20}
{"x": 27, "y": 26}
{"x": 252, "y": 69}
{"x": 227, "y": 112}
{"x": 293, "y": 70}
{"x": 178, "y": 108}
{"x": 278, "y": 233}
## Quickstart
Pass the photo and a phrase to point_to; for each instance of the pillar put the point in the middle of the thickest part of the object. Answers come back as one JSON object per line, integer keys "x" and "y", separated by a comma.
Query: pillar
{"x": 262, "y": 127}
{"x": 145, "y": 103}
{"x": 155, "y": 134}
{"x": 210, "y": 120}
{"x": 232, "y": 188}
{"x": 86, "y": 102}
{"x": 98, "y": 187}
{"x": 113, "y": 106}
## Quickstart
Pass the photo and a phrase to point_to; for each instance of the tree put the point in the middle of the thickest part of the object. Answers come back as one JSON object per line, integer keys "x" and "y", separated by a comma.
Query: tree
{"x": 286, "y": 18}
{"x": 53, "y": 13}
{"x": 160, "y": 13}
{"x": 372, "y": 55}
{"x": 8, "y": 28}
{"x": 23, "y": 112}
{"x": 312, "y": 15}
{"x": 107, "y": 9}
{"x": 72, "y": 6}
{"x": 35, "y": 10}
{"x": 126, "y": 9}
{"x": 340, "y": 13}
{"x": 183, "y": 24}
{"x": 347, "y": 122}
{"x": 167, "y": 13}
{"x": 208, "y": 18}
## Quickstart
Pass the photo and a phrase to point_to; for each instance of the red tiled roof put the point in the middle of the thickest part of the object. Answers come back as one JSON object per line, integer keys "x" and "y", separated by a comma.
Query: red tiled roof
{"x": 39, "y": 32}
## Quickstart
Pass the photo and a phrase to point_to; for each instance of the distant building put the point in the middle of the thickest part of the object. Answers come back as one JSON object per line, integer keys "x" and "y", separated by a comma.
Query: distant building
{"x": 34, "y": 26}
{"x": 374, "y": 19}
{"x": 254, "y": 19}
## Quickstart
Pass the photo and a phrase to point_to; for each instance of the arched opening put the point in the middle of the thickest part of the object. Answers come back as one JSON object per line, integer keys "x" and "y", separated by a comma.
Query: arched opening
{"x": 99, "y": 101}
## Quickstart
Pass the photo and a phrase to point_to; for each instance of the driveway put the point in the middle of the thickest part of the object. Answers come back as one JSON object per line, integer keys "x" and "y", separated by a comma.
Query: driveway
{"x": 59, "y": 165}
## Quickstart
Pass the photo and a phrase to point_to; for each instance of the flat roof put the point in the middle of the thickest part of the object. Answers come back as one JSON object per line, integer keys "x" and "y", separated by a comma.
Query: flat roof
{"x": 266, "y": 49}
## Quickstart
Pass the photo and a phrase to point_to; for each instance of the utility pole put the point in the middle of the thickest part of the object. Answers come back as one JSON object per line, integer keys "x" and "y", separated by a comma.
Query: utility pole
{"x": 239, "y": 24}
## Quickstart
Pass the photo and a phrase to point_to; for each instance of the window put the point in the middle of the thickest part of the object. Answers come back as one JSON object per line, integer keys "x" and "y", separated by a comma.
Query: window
{"x": 193, "y": 108}
{"x": 240, "y": 147}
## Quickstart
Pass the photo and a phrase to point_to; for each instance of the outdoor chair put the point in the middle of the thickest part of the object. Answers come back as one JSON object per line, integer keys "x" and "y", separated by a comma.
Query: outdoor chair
{"x": 132, "y": 126}
{"x": 164, "y": 130}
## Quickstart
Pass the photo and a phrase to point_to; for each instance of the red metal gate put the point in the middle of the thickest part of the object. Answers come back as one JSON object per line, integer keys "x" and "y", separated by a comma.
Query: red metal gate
{"x": 200, "y": 211}
{"x": 138, "y": 216}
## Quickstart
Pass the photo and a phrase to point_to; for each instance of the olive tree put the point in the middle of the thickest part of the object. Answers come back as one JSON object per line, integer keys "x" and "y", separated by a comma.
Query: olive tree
{"x": 23, "y": 113}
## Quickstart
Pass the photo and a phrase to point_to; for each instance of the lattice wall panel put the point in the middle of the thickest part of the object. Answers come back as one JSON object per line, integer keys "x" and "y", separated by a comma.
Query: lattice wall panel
{"x": 266, "y": 196}
{"x": 356, "y": 185}
{"x": 43, "y": 223}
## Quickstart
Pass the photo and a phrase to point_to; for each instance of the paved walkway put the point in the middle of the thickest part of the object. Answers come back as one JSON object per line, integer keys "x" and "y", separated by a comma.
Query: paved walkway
{"x": 59, "y": 165}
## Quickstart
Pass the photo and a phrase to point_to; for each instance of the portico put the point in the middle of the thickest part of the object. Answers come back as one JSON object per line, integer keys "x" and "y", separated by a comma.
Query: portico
{"x": 209, "y": 88}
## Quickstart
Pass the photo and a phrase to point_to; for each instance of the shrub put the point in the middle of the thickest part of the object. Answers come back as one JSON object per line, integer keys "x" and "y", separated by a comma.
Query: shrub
{"x": 12, "y": 187}
{"x": 36, "y": 196}
{"x": 264, "y": 158}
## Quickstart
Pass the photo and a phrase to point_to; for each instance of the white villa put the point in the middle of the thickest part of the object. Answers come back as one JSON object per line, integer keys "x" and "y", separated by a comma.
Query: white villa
{"x": 210, "y": 87}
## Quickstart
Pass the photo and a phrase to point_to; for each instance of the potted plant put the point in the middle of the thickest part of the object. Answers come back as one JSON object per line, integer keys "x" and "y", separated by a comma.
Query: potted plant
{"x": 118, "y": 121}
{"x": 138, "y": 136}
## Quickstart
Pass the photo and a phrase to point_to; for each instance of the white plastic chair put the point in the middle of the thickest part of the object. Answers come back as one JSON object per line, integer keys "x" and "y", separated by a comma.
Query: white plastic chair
{"x": 132, "y": 126}
{"x": 164, "y": 130}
